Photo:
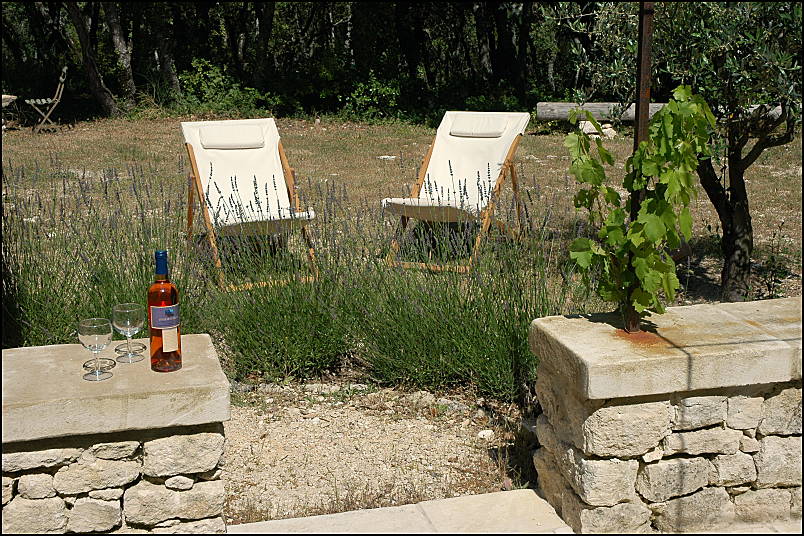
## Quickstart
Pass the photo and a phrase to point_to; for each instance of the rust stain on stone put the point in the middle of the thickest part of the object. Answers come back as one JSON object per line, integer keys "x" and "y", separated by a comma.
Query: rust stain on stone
{"x": 640, "y": 338}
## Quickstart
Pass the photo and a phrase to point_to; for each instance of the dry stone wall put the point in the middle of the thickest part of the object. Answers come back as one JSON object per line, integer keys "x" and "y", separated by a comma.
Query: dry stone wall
{"x": 678, "y": 462}
{"x": 154, "y": 481}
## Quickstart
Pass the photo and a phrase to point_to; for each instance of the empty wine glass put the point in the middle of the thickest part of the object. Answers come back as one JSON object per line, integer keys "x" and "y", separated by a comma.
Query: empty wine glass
{"x": 95, "y": 334}
{"x": 128, "y": 319}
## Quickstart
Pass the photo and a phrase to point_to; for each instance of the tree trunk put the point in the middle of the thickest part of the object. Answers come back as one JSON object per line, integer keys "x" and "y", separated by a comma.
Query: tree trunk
{"x": 265, "y": 62}
{"x": 164, "y": 37}
{"x": 485, "y": 39}
{"x": 96, "y": 85}
{"x": 122, "y": 46}
{"x": 737, "y": 243}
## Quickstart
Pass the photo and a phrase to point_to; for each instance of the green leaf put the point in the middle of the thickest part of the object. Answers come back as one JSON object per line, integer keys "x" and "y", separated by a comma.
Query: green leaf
{"x": 670, "y": 284}
{"x": 682, "y": 93}
{"x": 581, "y": 252}
{"x": 654, "y": 228}
{"x": 685, "y": 222}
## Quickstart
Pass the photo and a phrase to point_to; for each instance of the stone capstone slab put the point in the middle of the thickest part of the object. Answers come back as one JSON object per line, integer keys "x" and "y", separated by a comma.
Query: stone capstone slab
{"x": 35, "y": 516}
{"x": 744, "y": 412}
{"x": 66, "y": 406}
{"x": 149, "y": 504}
{"x": 706, "y": 346}
{"x": 702, "y": 510}
{"x": 733, "y": 469}
{"x": 36, "y": 486}
{"x": 706, "y": 441}
{"x": 214, "y": 525}
{"x": 114, "y": 451}
{"x": 665, "y": 479}
{"x": 597, "y": 482}
{"x": 38, "y": 459}
{"x": 699, "y": 412}
{"x": 84, "y": 476}
{"x": 182, "y": 454}
{"x": 782, "y": 413}
{"x": 93, "y": 515}
{"x": 778, "y": 462}
{"x": 762, "y": 505}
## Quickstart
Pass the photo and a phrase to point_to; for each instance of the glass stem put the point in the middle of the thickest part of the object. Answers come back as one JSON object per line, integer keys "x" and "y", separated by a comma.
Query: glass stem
{"x": 128, "y": 341}
{"x": 97, "y": 364}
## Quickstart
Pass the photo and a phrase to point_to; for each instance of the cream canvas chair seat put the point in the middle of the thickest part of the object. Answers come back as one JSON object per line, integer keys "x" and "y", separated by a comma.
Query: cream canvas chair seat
{"x": 240, "y": 172}
{"x": 462, "y": 174}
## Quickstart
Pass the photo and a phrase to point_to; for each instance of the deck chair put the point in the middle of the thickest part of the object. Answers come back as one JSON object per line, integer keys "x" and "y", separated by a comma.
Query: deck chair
{"x": 50, "y": 103}
{"x": 239, "y": 171}
{"x": 461, "y": 178}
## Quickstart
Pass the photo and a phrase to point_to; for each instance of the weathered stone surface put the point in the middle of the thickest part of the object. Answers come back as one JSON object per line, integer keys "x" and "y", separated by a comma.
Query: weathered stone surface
{"x": 762, "y": 505}
{"x": 61, "y": 407}
{"x": 623, "y": 518}
{"x": 179, "y": 482}
{"x": 8, "y": 489}
{"x": 93, "y": 515}
{"x": 653, "y": 455}
{"x": 736, "y": 490}
{"x": 115, "y": 451}
{"x": 749, "y": 444}
{"x": 778, "y": 462}
{"x": 148, "y": 504}
{"x": 705, "y": 509}
{"x": 781, "y": 414}
{"x": 549, "y": 479}
{"x": 597, "y": 482}
{"x": 711, "y": 440}
{"x": 36, "y": 486}
{"x": 662, "y": 480}
{"x": 698, "y": 412}
{"x": 626, "y": 430}
{"x": 795, "y": 502}
{"x": 84, "y": 476}
{"x": 213, "y": 525}
{"x": 733, "y": 469}
{"x": 565, "y": 412}
{"x": 744, "y": 412}
{"x": 38, "y": 459}
{"x": 109, "y": 494}
{"x": 32, "y": 516}
{"x": 192, "y": 453}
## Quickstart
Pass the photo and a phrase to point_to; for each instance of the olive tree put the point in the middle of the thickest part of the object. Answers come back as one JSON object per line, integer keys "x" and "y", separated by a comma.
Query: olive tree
{"x": 743, "y": 58}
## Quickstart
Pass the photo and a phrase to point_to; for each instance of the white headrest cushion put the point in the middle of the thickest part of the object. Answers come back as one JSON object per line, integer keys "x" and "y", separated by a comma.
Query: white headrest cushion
{"x": 231, "y": 137}
{"x": 478, "y": 126}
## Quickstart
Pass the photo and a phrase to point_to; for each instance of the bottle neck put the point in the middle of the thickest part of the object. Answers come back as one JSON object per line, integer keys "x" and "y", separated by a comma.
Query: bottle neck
{"x": 160, "y": 277}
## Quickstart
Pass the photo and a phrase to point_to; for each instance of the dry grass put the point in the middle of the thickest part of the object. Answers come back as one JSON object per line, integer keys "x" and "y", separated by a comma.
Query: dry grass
{"x": 345, "y": 154}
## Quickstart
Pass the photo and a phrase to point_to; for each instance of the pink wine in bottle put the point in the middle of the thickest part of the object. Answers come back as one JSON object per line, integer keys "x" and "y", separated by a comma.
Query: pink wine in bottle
{"x": 163, "y": 319}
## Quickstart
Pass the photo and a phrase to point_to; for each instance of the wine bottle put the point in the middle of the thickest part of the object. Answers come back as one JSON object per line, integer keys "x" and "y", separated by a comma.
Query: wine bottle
{"x": 163, "y": 319}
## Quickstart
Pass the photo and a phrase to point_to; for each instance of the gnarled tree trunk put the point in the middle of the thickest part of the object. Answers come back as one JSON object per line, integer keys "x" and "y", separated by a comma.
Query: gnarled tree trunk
{"x": 121, "y": 46}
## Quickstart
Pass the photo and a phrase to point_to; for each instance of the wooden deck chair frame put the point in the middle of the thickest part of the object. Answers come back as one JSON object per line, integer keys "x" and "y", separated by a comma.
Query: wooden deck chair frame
{"x": 52, "y": 103}
{"x": 195, "y": 188}
{"x": 486, "y": 216}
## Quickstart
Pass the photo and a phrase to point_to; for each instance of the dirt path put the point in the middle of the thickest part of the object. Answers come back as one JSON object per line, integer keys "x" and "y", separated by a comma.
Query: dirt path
{"x": 300, "y": 450}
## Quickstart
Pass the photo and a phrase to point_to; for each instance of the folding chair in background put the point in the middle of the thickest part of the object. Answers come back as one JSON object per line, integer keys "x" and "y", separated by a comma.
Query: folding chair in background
{"x": 241, "y": 175}
{"x": 461, "y": 177}
{"x": 51, "y": 103}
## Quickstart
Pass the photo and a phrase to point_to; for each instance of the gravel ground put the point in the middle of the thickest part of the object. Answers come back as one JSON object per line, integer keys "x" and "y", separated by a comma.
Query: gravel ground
{"x": 301, "y": 450}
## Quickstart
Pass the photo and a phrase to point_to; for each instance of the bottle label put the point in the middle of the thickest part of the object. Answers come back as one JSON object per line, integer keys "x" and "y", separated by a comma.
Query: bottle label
{"x": 170, "y": 340}
{"x": 165, "y": 317}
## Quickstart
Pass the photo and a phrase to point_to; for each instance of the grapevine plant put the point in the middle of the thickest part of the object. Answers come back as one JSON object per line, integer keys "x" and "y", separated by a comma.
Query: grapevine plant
{"x": 630, "y": 255}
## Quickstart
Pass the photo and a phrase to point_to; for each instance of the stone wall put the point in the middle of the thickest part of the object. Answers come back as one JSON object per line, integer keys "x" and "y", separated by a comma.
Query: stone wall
{"x": 691, "y": 425}
{"x": 153, "y": 481}
{"x": 689, "y": 462}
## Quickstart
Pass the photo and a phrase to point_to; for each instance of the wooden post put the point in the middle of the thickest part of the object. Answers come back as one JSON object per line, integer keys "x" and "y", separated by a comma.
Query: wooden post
{"x": 630, "y": 315}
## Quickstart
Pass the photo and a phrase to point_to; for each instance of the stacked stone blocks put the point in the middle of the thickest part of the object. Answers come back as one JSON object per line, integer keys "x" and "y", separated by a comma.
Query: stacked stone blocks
{"x": 674, "y": 462}
{"x": 154, "y": 481}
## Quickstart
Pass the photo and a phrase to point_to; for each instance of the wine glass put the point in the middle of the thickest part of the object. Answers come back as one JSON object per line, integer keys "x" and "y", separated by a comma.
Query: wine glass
{"x": 128, "y": 319}
{"x": 95, "y": 334}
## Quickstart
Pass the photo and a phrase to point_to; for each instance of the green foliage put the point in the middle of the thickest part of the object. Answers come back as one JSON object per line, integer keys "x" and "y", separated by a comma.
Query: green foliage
{"x": 631, "y": 257}
{"x": 207, "y": 88}
{"x": 373, "y": 99}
